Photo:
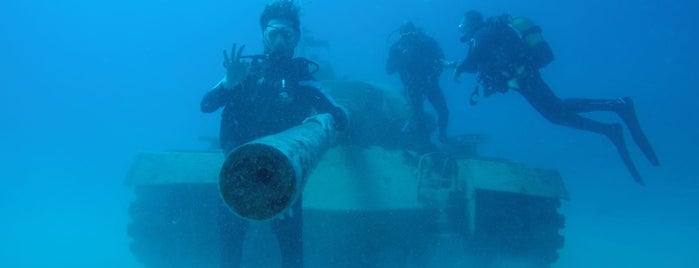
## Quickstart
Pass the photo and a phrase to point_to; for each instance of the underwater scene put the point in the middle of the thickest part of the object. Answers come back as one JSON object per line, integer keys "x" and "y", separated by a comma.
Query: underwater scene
{"x": 311, "y": 133}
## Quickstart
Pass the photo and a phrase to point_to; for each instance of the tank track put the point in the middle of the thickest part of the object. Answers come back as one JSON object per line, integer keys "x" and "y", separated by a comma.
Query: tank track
{"x": 516, "y": 226}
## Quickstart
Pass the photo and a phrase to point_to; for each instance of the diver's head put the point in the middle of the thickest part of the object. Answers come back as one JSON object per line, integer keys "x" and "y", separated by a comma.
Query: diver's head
{"x": 280, "y": 29}
{"x": 407, "y": 28}
{"x": 473, "y": 20}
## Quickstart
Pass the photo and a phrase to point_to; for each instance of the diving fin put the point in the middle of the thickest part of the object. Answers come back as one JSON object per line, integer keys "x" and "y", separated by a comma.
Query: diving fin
{"x": 628, "y": 115}
{"x": 617, "y": 137}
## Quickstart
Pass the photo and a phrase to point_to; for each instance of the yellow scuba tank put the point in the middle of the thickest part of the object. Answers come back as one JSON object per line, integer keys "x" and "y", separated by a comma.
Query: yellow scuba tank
{"x": 530, "y": 33}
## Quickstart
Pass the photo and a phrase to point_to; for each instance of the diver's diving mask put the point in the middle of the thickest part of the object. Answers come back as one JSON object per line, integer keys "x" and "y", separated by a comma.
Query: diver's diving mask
{"x": 280, "y": 30}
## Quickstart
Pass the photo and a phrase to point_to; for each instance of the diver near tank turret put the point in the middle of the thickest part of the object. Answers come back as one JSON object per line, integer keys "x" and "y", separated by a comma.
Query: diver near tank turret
{"x": 507, "y": 52}
{"x": 419, "y": 61}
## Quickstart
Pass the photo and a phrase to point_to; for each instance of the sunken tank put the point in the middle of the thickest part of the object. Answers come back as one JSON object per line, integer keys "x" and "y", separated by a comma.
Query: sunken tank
{"x": 369, "y": 198}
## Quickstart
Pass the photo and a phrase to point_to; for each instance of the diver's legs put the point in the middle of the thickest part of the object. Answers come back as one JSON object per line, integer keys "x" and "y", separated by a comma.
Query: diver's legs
{"x": 417, "y": 114}
{"x": 612, "y": 131}
{"x": 625, "y": 109}
{"x": 579, "y": 105}
{"x": 232, "y": 231}
{"x": 415, "y": 101}
{"x": 436, "y": 97}
{"x": 418, "y": 127}
{"x": 540, "y": 96}
{"x": 289, "y": 232}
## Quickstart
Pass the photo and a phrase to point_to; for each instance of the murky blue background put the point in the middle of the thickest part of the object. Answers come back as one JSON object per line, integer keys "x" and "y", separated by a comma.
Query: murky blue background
{"x": 84, "y": 85}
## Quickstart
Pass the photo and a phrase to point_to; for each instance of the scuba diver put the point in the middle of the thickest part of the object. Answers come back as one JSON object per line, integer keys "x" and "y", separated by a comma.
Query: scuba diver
{"x": 419, "y": 61}
{"x": 507, "y": 52}
{"x": 266, "y": 95}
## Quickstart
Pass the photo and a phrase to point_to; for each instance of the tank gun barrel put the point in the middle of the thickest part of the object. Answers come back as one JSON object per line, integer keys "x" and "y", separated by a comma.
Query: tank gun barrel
{"x": 264, "y": 177}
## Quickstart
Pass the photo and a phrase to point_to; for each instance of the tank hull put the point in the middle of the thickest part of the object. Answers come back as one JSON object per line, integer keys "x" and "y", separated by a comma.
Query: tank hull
{"x": 362, "y": 207}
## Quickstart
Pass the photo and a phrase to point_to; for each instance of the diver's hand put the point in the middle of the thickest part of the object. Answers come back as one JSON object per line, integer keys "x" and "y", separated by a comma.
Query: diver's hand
{"x": 236, "y": 70}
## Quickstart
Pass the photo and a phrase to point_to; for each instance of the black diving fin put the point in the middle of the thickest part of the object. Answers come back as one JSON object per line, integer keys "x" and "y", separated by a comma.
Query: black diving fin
{"x": 628, "y": 115}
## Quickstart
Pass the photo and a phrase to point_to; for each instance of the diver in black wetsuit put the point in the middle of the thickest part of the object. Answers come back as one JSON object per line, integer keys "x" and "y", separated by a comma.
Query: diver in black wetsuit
{"x": 501, "y": 58}
{"x": 419, "y": 61}
{"x": 270, "y": 94}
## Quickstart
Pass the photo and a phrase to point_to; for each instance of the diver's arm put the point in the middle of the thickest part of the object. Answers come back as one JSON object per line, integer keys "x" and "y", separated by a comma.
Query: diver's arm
{"x": 324, "y": 103}
{"x": 216, "y": 98}
{"x": 441, "y": 60}
{"x": 236, "y": 71}
{"x": 478, "y": 46}
{"x": 470, "y": 64}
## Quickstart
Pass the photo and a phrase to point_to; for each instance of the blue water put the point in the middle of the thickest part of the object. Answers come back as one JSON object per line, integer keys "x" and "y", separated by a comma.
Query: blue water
{"x": 84, "y": 85}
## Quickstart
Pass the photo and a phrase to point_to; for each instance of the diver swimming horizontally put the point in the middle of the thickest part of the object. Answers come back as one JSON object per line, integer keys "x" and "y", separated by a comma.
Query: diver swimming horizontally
{"x": 507, "y": 52}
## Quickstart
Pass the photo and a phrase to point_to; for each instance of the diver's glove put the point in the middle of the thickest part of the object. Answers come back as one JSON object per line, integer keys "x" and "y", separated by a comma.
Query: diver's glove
{"x": 236, "y": 70}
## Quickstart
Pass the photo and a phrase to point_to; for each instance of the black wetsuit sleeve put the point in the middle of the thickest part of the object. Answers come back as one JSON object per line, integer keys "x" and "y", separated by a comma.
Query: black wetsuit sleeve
{"x": 216, "y": 98}
{"x": 478, "y": 47}
{"x": 324, "y": 103}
